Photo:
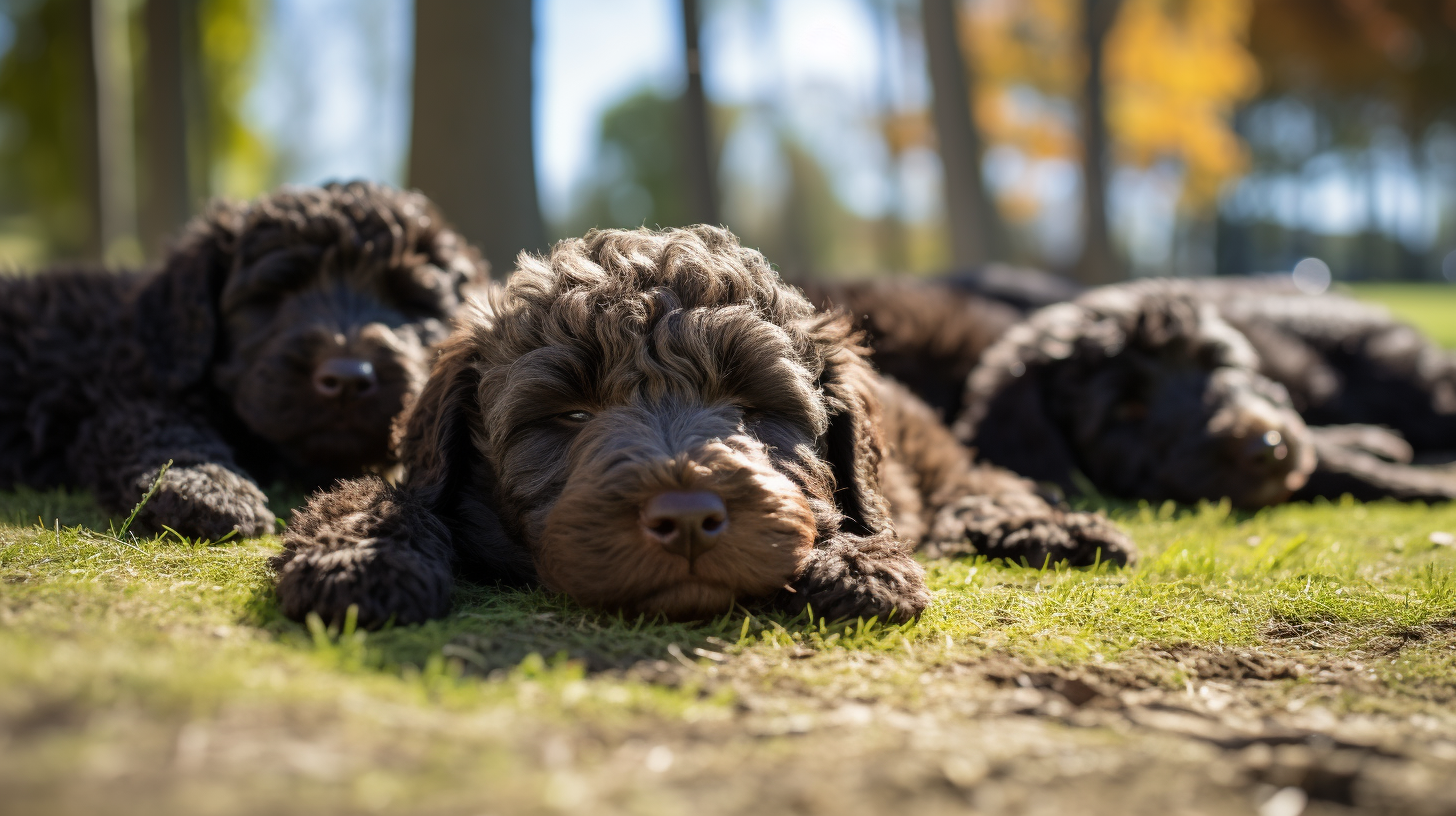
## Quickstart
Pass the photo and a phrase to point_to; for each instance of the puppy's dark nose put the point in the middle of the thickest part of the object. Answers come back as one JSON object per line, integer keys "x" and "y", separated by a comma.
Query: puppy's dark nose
{"x": 685, "y": 523}
{"x": 1266, "y": 450}
{"x": 345, "y": 377}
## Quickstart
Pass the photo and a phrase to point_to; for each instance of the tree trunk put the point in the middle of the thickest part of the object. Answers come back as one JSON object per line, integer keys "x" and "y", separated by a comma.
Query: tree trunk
{"x": 1099, "y": 263}
{"x": 165, "y": 188}
{"x": 702, "y": 192}
{"x": 470, "y": 140}
{"x": 90, "y": 154}
{"x": 976, "y": 232}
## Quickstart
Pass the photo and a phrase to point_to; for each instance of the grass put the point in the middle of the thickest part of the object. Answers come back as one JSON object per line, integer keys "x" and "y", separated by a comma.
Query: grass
{"x": 130, "y": 663}
{"x": 1431, "y": 306}
{"x": 156, "y": 675}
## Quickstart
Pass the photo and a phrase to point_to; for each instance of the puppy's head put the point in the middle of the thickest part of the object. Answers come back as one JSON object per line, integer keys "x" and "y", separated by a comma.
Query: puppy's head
{"x": 655, "y": 419}
{"x": 1145, "y": 390}
{"x": 313, "y": 310}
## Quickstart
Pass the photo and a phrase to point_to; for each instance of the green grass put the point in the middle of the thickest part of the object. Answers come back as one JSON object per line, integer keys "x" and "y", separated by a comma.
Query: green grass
{"x": 125, "y": 660}
{"x": 1430, "y": 306}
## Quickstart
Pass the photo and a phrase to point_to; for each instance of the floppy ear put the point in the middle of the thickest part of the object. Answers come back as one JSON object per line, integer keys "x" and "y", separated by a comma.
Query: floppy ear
{"x": 177, "y": 310}
{"x": 853, "y": 443}
{"x": 432, "y": 439}
{"x": 447, "y": 474}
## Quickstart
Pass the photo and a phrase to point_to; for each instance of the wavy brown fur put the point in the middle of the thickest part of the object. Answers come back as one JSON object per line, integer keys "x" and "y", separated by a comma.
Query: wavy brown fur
{"x": 628, "y": 364}
{"x": 209, "y": 361}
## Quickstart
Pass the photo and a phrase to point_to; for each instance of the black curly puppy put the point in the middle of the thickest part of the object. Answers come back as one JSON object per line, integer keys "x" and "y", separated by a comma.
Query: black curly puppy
{"x": 655, "y": 422}
{"x": 1179, "y": 389}
{"x": 279, "y": 340}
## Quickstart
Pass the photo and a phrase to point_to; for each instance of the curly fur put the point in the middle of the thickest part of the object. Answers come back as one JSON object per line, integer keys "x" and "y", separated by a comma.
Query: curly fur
{"x": 925, "y": 334}
{"x": 630, "y": 363}
{"x": 209, "y": 361}
{"x": 1170, "y": 388}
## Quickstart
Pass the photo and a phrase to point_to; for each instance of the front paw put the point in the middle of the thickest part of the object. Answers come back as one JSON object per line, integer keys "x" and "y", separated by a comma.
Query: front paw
{"x": 1024, "y": 527}
{"x": 364, "y": 544}
{"x": 860, "y": 578}
{"x": 205, "y": 501}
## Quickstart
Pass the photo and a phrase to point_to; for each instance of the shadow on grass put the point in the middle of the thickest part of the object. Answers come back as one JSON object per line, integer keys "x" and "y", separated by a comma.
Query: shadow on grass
{"x": 491, "y": 630}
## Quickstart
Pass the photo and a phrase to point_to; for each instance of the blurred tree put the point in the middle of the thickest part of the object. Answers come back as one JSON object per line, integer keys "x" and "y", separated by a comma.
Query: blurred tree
{"x": 168, "y": 79}
{"x": 1167, "y": 78}
{"x": 639, "y": 175}
{"x": 227, "y": 157}
{"x": 471, "y": 148}
{"x": 48, "y": 133}
{"x": 111, "y": 42}
{"x": 976, "y": 232}
{"x": 1099, "y": 262}
{"x": 698, "y": 164}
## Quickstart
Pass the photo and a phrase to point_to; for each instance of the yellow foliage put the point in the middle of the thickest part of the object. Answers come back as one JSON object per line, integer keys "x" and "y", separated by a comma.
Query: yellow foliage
{"x": 1175, "y": 72}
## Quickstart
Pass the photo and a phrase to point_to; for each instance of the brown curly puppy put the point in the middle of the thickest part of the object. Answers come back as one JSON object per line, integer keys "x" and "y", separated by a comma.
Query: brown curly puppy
{"x": 655, "y": 422}
{"x": 279, "y": 340}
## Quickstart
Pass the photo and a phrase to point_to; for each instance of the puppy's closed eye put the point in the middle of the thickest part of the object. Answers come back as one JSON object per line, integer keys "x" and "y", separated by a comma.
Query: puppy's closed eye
{"x": 573, "y": 417}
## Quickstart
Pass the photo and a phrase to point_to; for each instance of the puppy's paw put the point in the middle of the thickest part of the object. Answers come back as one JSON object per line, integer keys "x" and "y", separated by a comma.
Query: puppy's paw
{"x": 364, "y": 544}
{"x": 860, "y": 578}
{"x": 204, "y": 501}
{"x": 1023, "y": 526}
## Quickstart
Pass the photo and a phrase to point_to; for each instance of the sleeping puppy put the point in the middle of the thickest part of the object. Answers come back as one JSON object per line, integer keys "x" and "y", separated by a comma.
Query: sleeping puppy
{"x": 654, "y": 422}
{"x": 278, "y": 341}
{"x": 1187, "y": 390}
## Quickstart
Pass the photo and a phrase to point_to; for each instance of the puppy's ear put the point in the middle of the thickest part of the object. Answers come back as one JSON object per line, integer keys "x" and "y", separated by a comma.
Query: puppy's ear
{"x": 1005, "y": 417}
{"x": 433, "y": 439}
{"x": 448, "y": 475}
{"x": 853, "y": 443}
{"x": 177, "y": 309}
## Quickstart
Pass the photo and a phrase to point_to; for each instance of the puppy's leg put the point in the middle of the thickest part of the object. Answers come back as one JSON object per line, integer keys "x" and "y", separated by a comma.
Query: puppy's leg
{"x": 1000, "y": 516}
{"x": 861, "y": 576}
{"x": 1370, "y": 463}
{"x": 366, "y": 544}
{"x": 204, "y": 494}
{"x": 970, "y": 508}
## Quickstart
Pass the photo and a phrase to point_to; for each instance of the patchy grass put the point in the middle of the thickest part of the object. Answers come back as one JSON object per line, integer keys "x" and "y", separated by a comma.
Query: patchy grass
{"x": 156, "y": 675}
{"x": 1431, "y": 306}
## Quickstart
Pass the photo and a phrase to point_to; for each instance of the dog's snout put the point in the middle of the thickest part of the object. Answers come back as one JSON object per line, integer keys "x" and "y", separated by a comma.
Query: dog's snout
{"x": 345, "y": 377}
{"x": 685, "y": 523}
{"x": 1266, "y": 449}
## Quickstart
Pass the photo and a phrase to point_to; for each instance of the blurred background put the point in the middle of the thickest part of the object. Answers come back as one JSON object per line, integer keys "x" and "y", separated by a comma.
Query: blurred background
{"x": 1101, "y": 139}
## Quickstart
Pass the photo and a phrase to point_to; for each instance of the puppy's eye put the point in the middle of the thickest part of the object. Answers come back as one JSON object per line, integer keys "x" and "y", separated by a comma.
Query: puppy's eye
{"x": 574, "y": 417}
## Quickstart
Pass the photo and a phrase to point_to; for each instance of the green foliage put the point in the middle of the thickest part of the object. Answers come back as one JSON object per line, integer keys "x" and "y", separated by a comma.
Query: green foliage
{"x": 47, "y": 125}
{"x": 239, "y": 161}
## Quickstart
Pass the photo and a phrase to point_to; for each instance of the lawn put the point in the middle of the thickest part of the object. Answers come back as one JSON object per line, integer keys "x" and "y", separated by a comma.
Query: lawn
{"x": 1431, "y": 306}
{"x": 1297, "y": 660}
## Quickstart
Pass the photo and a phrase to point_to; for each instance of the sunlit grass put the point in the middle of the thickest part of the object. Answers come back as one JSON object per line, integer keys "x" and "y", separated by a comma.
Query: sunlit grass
{"x": 114, "y": 647}
{"x": 1430, "y": 306}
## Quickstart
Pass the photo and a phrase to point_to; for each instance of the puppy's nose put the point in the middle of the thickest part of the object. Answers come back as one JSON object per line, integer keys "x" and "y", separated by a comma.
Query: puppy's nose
{"x": 1268, "y": 450}
{"x": 685, "y": 523}
{"x": 345, "y": 377}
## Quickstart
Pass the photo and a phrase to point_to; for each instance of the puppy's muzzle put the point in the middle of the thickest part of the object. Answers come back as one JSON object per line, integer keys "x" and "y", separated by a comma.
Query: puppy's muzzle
{"x": 685, "y": 523}
{"x": 345, "y": 377}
